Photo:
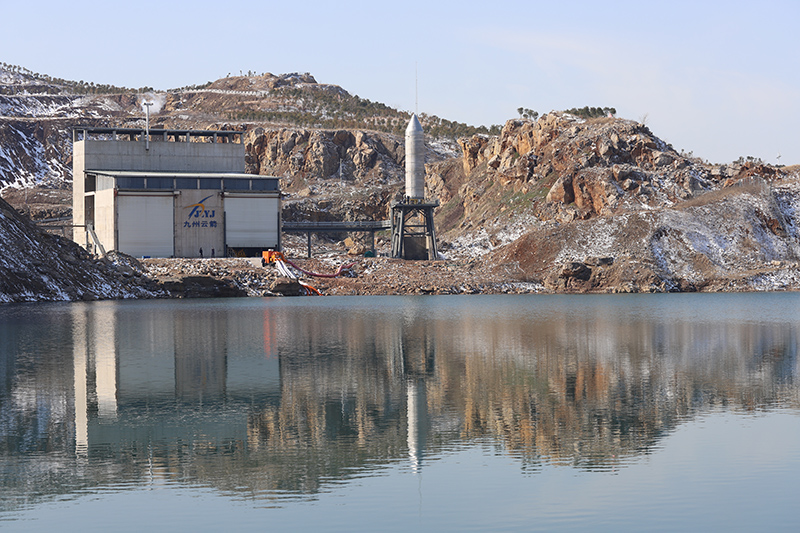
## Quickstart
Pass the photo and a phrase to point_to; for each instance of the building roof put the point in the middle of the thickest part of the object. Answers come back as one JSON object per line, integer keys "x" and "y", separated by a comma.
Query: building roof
{"x": 162, "y": 174}
{"x": 87, "y": 131}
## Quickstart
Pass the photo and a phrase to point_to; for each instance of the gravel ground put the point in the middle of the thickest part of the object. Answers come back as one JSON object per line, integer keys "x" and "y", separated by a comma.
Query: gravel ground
{"x": 364, "y": 276}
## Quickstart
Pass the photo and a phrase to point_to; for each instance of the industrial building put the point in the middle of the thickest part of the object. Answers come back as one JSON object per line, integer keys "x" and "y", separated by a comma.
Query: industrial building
{"x": 170, "y": 193}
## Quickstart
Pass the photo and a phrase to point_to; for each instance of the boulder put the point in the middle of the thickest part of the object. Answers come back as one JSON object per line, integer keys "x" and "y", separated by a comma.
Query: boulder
{"x": 287, "y": 287}
{"x": 561, "y": 191}
{"x": 661, "y": 159}
{"x": 577, "y": 270}
{"x": 599, "y": 261}
{"x": 357, "y": 249}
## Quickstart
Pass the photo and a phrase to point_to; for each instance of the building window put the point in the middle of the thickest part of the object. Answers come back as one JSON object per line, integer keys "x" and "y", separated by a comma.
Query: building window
{"x": 130, "y": 183}
{"x": 186, "y": 183}
{"x": 159, "y": 183}
{"x": 210, "y": 183}
{"x": 237, "y": 184}
{"x": 265, "y": 185}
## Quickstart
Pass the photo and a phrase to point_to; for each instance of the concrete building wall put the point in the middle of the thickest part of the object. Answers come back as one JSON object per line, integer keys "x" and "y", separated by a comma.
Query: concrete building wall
{"x": 105, "y": 223}
{"x": 78, "y": 190}
{"x": 162, "y": 156}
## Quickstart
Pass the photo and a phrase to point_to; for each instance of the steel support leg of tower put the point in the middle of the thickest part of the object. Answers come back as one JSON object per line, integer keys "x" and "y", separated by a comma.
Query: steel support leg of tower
{"x": 409, "y": 236}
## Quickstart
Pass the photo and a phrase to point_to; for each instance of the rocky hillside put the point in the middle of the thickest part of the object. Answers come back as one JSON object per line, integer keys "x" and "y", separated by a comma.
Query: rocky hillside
{"x": 37, "y": 112}
{"x": 564, "y": 168}
{"x": 604, "y": 205}
{"x": 555, "y": 204}
{"x": 351, "y": 171}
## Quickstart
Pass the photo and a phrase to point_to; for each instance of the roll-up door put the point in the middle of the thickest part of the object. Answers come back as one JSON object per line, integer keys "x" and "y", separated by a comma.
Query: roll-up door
{"x": 145, "y": 225}
{"x": 251, "y": 222}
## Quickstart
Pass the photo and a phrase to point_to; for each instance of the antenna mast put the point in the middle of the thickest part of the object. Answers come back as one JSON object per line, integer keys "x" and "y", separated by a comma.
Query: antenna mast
{"x": 416, "y": 90}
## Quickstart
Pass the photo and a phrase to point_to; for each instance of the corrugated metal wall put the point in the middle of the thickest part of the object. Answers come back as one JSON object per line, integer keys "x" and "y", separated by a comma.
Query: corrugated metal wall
{"x": 145, "y": 225}
{"x": 251, "y": 222}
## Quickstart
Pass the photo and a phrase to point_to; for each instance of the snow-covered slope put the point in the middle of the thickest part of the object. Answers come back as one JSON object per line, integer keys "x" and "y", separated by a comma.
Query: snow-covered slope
{"x": 34, "y": 153}
{"x": 36, "y": 266}
{"x": 737, "y": 239}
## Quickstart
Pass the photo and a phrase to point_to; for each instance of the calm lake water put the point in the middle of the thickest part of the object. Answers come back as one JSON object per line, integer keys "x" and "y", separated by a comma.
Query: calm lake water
{"x": 467, "y": 413}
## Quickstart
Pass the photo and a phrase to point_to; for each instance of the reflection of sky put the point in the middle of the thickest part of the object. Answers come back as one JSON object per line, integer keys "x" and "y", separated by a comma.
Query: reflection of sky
{"x": 693, "y": 481}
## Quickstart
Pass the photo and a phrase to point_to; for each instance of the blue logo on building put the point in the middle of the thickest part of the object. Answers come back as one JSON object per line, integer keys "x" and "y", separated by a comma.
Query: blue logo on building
{"x": 199, "y": 211}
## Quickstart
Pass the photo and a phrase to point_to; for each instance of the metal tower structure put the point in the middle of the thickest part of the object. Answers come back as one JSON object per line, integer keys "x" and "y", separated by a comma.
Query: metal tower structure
{"x": 413, "y": 231}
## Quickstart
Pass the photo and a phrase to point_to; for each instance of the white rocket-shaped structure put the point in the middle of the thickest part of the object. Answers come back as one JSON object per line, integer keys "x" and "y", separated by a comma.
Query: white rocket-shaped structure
{"x": 415, "y": 160}
{"x": 413, "y": 233}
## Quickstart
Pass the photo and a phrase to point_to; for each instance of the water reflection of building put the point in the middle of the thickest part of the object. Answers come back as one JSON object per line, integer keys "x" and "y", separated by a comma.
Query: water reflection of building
{"x": 172, "y": 388}
{"x": 200, "y": 357}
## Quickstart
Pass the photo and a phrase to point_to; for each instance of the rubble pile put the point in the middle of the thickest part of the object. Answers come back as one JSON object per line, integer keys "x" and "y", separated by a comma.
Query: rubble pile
{"x": 199, "y": 278}
{"x": 37, "y": 266}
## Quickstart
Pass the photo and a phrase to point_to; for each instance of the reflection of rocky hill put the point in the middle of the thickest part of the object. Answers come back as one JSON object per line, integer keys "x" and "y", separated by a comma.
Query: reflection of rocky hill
{"x": 561, "y": 388}
{"x": 277, "y": 398}
{"x": 560, "y": 392}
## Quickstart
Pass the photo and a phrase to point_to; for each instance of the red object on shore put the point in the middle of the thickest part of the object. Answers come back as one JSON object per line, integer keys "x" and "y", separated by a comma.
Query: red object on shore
{"x": 271, "y": 257}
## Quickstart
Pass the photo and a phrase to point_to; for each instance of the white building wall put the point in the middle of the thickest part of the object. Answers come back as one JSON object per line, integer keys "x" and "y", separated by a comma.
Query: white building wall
{"x": 199, "y": 223}
{"x": 105, "y": 218}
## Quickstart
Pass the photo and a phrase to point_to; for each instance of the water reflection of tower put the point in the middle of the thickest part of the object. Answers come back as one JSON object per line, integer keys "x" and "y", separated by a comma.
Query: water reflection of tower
{"x": 418, "y": 367}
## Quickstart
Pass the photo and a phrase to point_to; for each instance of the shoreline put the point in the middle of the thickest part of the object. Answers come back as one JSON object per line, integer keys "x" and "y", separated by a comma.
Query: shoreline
{"x": 179, "y": 278}
{"x": 382, "y": 276}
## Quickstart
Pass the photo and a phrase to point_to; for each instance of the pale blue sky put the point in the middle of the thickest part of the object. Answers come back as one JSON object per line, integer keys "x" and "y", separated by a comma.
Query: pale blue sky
{"x": 720, "y": 79}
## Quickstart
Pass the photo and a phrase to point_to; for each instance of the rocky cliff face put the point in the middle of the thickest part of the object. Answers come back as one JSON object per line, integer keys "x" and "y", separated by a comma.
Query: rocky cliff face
{"x": 34, "y": 153}
{"x": 587, "y": 168}
{"x": 604, "y": 205}
{"x": 364, "y": 157}
{"x": 332, "y": 174}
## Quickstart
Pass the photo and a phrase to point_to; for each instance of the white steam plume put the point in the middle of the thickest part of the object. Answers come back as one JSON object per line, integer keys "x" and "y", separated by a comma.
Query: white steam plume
{"x": 158, "y": 99}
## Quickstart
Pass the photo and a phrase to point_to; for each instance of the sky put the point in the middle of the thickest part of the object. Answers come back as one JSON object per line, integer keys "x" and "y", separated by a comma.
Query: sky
{"x": 718, "y": 79}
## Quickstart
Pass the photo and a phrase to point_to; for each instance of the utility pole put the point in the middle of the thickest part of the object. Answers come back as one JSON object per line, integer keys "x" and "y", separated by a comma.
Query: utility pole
{"x": 147, "y": 125}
